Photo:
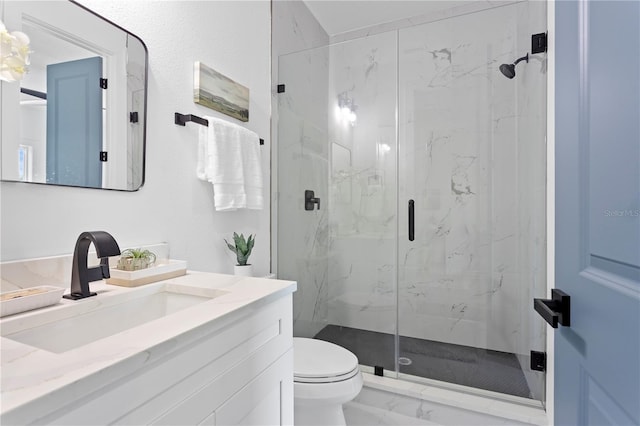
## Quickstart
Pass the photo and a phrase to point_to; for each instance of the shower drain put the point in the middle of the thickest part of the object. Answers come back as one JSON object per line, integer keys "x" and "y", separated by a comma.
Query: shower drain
{"x": 403, "y": 360}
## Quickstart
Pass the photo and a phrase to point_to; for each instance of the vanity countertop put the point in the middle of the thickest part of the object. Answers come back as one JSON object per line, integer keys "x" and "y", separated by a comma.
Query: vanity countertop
{"x": 30, "y": 374}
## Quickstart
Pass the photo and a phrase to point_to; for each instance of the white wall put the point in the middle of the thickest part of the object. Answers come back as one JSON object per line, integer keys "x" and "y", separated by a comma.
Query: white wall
{"x": 173, "y": 206}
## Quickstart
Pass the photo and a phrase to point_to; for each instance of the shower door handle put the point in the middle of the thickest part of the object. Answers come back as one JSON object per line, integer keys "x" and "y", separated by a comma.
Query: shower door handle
{"x": 555, "y": 310}
{"x": 411, "y": 221}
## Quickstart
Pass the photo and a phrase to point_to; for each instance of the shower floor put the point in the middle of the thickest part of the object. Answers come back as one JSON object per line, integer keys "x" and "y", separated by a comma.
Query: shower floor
{"x": 463, "y": 365}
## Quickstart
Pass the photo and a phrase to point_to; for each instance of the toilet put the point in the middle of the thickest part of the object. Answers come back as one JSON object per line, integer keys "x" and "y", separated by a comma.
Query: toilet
{"x": 325, "y": 376}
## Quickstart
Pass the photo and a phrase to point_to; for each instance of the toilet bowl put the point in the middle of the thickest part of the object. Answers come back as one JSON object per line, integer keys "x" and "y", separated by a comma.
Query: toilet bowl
{"x": 325, "y": 376}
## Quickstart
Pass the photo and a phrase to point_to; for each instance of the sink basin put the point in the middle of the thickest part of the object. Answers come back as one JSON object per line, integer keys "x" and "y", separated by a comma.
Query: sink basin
{"x": 79, "y": 324}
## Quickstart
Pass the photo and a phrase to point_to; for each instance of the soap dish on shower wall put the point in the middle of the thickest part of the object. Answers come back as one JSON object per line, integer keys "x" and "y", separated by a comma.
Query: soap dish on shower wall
{"x": 161, "y": 270}
{"x": 26, "y": 299}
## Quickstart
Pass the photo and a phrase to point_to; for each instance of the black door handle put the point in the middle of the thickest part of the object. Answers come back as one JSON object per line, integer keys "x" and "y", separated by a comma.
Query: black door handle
{"x": 555, "y": 310}
{"x": 412, "y": 229}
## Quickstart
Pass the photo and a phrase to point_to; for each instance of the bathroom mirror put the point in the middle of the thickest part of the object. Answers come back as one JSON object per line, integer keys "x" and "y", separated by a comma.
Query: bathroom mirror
{"x": 78, "y": 116}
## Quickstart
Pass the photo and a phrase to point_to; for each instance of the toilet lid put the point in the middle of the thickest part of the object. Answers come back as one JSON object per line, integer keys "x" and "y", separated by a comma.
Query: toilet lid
{"x": 319, "y": 359}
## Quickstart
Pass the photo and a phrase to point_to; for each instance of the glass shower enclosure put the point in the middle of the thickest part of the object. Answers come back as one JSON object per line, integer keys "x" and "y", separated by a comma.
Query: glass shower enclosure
{"x": 427, "y": 245}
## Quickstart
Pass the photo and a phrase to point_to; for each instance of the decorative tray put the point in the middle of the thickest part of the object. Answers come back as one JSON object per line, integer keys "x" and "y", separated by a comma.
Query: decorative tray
{"x": 26, "y": 299}
{"x": 162, "y": 270}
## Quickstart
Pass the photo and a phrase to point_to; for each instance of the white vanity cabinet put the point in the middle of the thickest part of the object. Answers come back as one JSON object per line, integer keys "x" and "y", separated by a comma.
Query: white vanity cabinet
{"x": 236, "y": 369}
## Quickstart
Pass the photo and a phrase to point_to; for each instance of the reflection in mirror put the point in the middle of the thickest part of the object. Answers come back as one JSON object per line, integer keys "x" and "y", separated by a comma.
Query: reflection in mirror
{"x": 78, "y": 117}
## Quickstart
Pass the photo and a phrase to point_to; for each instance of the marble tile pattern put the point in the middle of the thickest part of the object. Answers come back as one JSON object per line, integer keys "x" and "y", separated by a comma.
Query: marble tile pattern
{"x": 303, "y": 165}
{"x": 446, "y": 12}
{"x": 363, "y": 185}
{"x": 30, "y": 373}
{"x": 300, "y": 160}
{"x": 357, "y": 414}
{"x": 532, "y": 123}
{"x": 135, "y": 149}
{"x": 414, "y": 403}
{"x": 466, "y": 277}
{"x": 471, "y": 155}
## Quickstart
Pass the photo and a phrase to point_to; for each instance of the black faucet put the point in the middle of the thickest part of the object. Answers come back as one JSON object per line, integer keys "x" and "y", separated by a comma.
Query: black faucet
{"x": 81, "y": 275}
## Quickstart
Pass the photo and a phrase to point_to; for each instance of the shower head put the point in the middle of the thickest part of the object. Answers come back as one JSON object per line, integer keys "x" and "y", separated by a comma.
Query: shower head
{"x": 509, "y": 70}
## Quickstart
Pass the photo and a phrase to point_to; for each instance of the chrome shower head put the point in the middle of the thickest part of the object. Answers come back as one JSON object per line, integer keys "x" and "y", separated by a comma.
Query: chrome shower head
{"x": 509, "y": 70}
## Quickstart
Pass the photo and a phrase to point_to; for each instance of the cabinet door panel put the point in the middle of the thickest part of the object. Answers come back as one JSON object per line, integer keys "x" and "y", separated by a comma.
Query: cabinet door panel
{"x": 169, "y": 380}
{"x": 262, "y": 401}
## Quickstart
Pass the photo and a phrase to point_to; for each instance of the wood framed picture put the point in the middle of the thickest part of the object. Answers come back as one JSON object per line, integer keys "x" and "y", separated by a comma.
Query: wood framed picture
{"x": 220, "y": 93}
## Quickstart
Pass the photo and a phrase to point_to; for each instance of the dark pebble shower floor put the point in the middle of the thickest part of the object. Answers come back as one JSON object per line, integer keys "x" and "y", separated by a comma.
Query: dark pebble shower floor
{"x": 463, "y": 365}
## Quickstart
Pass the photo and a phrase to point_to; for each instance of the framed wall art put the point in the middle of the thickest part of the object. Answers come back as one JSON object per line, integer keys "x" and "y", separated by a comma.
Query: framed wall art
{"x": 220, "y": 93}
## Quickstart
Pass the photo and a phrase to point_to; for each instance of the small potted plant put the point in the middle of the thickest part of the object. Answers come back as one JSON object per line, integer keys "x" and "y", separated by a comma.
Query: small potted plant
{"x": 136, "y": 259}
{"x": 242, "y": 248}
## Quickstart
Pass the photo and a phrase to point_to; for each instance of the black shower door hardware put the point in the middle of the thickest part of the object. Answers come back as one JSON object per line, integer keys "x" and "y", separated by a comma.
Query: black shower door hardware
{"x": 310, "y": 200}
{"x": 555, "y": 310}
{"x": 411, "y": 221}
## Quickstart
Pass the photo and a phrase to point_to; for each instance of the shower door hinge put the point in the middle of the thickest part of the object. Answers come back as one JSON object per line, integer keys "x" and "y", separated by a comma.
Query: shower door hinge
{"x": 378, "y": 370}
{"x": 104, "y": 156}
{"x": 538, "y": 361}
{"x": 280, "y": 88}
{"x": 103, "y": 83}
{"x": 538, "y": 43}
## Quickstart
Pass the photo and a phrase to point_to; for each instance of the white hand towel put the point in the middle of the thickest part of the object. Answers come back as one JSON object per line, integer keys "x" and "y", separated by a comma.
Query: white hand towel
{"x": 229, "y": 158}
{"x": 252, "y": 169}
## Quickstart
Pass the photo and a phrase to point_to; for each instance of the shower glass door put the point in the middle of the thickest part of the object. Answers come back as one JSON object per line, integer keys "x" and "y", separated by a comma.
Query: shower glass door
{"x": 472, "y": 155}
{"x": 420, "y": 114}
{"x": 337, "y": 137}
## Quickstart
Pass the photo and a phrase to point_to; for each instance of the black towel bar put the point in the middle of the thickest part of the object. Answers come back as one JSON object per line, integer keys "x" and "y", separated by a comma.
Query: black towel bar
{"x": 182, "y": 119}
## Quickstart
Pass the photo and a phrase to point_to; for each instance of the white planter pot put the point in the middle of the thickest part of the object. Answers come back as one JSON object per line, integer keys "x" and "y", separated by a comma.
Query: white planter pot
{"x": 243, "y": 270}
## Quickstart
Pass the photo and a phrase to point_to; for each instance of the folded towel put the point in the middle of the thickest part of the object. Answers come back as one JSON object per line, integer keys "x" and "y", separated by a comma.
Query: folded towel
{"x": 229, "y": 158}
{"x": 252, "y": 169}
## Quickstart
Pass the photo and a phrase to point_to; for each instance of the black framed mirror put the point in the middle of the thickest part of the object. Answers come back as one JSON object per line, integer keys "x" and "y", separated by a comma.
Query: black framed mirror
{"x": 78, "y": 116}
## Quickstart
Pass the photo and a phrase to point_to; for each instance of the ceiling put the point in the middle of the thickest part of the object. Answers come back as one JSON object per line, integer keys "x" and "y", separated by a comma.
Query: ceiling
{"x": 339, "y": 16}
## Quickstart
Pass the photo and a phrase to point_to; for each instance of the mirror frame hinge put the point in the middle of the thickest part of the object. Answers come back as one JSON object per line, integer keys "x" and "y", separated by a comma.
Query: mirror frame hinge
{"x": 103, "y": 83}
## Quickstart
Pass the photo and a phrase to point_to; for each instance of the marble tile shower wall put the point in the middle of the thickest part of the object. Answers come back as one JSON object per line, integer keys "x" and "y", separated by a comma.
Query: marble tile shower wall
{"x": 471, "y": 155}
{"x": 363, "y": 185}
{"x": 532, "y": 124}
{"x": 300, "y": 250}
{"x": 303, "y": 165}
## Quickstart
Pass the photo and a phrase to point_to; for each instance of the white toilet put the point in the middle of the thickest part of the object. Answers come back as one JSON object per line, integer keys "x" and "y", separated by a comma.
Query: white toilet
{"x": 325, "y": 376}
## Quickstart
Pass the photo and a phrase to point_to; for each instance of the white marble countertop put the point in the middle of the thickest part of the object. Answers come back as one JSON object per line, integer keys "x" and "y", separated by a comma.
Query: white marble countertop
{"x": 29, "y": 373}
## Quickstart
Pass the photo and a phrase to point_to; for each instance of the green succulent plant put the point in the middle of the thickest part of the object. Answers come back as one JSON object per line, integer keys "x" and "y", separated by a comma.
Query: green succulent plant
{"x": 242, "y": 247}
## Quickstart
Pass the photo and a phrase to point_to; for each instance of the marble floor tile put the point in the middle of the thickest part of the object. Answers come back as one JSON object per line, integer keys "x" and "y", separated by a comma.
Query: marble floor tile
{"x": 357, "y": 414}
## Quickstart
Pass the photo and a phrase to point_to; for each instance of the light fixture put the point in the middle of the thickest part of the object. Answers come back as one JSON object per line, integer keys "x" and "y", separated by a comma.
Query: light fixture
{"x": 347, "y": 108}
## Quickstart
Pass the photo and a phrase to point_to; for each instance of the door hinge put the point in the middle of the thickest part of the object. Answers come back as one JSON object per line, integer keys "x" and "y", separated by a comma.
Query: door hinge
{"x": 378, "y": 370}
{"x": 538, "y": 43}
{"x": 538, "y": 361}
{"x": 103, "y": 83}
{"x": 133, "y": 117}
{"x": 280, "y": 88}
{"x": 103, "y": 156}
